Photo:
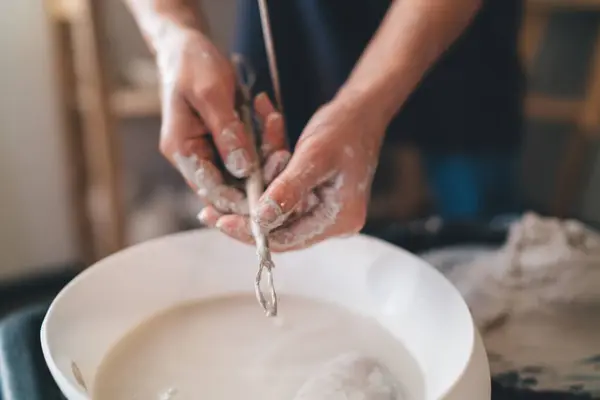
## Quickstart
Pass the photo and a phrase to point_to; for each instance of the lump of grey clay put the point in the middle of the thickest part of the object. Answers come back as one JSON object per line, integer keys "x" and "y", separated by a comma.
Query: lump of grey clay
{"x": 351, "y": 377}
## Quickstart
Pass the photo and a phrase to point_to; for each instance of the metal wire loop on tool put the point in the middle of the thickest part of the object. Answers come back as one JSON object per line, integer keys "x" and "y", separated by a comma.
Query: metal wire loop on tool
{"x": 254, "y": 188}
{"x": 270, "y": 305}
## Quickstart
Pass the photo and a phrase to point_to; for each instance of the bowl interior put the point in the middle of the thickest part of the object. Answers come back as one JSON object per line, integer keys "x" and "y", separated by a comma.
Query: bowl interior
{"x": 363, "y": 274}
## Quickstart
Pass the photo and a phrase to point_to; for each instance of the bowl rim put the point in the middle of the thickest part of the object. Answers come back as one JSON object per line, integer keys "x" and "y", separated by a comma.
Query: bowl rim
{"x": 76, "y": 392}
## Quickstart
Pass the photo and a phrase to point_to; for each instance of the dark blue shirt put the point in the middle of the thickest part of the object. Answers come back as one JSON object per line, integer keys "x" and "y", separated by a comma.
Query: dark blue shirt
{"x": 470, "y": 100}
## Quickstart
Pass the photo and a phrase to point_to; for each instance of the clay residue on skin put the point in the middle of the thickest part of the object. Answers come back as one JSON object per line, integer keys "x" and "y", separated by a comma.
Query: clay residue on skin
{"x": 226, "y": 199}
{"x": 349, "y": 151}
{"x": 311, "y": 202}
{"x": 266, "y": 149}
{"x": 275, "y": 164}
{"x": 187, "y": 166}
{"x": 169, "y": 394}
{"x": 316, "y": 213}
{"x": 206, "y": 179}
{"x": 271, "y": 207}
{"x": 209, "y": 183}
{"x": 203, "y": 215}
{"x": 238, "y": 161}
{"x": 313, "y": 225}
{"x": 366, "y": 182}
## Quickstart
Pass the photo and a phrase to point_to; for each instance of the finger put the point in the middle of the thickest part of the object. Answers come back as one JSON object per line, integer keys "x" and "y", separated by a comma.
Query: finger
{"x": 229, "y": 200}
{"x": 209, "y": 216}
{"x": 275, "y": 164}
{"x": 215, "y": 106}
{"x": 308, "y": 230}
{"x": 306, "y": 205}
{"x": 273, "y": 126}
{"x": 263, "y": 105}
{"x": 207, "y": 179}
{"x": 235, "y": 149}
{"x": 305, "y": 171}
{"x": 185, "y": 143}
{"x": 236, "y": 227}
{"x": 179, "y": 124}
{"x": 183, "y": 138}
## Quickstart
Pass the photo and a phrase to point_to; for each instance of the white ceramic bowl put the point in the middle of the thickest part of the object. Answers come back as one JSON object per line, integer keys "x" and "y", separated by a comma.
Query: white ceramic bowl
{"x": 365, "y": 275}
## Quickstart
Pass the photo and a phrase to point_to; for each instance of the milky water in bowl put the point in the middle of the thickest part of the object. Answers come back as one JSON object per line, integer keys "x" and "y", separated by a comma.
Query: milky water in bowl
{"x": 226, "y": 349}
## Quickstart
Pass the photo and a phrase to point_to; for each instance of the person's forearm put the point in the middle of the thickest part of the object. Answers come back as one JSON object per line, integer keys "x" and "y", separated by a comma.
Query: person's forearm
{"x": 413, "y": 35}
{"x": 161, "y": 20}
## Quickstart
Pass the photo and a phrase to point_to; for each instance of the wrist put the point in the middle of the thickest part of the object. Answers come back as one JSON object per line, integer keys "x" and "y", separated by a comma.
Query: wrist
{"x": 173, "y": 37}
{"x": 170, "y": 36}
{"x": 369, "y": 104}
{"x": 164, "y": 26}
{"x": 368, "y": 123}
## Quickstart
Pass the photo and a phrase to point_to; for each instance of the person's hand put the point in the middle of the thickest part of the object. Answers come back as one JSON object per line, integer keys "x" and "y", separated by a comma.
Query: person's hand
{"x": 325, "y": 188}
{"x": 201, "y": 132}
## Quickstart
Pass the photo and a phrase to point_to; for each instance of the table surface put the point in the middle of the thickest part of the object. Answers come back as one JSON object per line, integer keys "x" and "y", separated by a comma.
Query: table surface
{"x": 26, "y": 376}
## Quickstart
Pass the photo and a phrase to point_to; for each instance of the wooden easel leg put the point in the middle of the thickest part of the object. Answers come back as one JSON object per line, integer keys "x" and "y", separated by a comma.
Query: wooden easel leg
{"x": 570, "y": 176}
{"x": 105, "y": 200}
{"x": 64, "y": 69}
{"x": 535, "y": 24}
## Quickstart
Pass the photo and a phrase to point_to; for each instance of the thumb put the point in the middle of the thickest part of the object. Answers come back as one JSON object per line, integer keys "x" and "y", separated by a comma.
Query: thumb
{"x": 306, "y": 170}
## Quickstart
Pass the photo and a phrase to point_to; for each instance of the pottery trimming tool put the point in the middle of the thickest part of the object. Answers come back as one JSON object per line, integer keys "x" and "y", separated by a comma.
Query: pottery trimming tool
{"x": 255, "y": 185}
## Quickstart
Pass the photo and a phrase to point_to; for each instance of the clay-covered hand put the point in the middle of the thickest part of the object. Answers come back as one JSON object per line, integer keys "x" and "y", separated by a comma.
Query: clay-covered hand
{"x": 325, "y": 188}
{"x": 201, "y": 132}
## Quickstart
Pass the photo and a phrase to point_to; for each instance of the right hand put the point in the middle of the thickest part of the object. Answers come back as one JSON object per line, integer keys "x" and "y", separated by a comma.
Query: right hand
{"x": 198, "y": 86}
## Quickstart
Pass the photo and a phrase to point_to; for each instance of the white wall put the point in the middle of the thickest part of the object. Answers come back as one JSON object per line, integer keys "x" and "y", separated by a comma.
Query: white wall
{"x": 35, "y": 226}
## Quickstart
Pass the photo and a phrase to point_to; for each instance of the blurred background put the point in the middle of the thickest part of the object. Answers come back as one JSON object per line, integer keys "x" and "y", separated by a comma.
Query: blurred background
{"x": 80, "y": 172}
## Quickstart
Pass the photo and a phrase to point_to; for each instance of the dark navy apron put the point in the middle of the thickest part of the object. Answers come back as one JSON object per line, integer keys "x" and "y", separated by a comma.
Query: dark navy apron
{"x": 468, "y": 105}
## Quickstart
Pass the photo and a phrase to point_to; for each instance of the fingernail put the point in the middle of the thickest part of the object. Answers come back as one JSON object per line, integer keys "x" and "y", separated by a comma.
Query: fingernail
{"x": 261, "y": 98}
{"x": 274, "y": 117}
{"x": 266, "y": 149}
{"x": 269, "y": 214}
{"x": 228, "y": 135}
{"x": 219, "y": 223}
{"x": 238, "y": 163}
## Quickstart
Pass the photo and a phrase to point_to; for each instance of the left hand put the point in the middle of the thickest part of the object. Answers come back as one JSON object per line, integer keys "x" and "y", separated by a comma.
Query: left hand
{"x": 324, "y": 189}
